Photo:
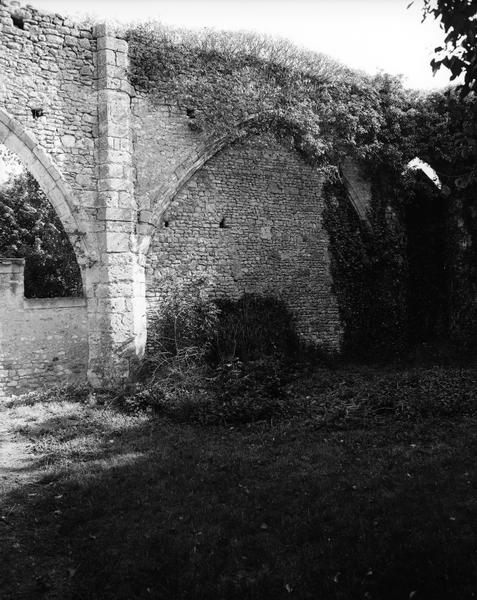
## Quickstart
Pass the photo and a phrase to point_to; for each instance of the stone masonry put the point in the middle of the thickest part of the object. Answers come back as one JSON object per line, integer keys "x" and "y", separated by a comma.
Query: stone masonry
{"x": 249, "y": 221}
{"x": 116, "y": 168}
{"x": 44, "y": 340}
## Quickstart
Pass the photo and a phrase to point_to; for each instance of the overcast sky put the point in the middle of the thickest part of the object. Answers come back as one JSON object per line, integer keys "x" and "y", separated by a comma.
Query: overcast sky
{"x": 365, "y": 34}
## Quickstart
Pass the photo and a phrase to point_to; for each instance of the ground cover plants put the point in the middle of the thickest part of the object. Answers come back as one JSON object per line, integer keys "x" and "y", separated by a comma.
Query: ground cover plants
{"x": 365, "y": 489}
{"x": 238, "y": 467}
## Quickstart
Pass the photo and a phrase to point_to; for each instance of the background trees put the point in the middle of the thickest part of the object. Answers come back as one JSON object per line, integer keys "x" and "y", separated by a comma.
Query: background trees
{"x": 458, "y": 51}
{"x": 30, "y": 229}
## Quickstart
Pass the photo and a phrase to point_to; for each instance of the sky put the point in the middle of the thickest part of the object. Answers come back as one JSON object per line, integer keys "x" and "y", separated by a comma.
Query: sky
{"x": 370, "y": 35}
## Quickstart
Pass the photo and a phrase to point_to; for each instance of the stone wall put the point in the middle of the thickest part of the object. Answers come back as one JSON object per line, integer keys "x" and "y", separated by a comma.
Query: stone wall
{"x": 64, "y": 110}
{"x": 111, "y": 162}
{"x": 251, "y": 221}
{"x": 163, "y": 142}
{"x": 47, "y": 66}
{"x": 44, "y": 342}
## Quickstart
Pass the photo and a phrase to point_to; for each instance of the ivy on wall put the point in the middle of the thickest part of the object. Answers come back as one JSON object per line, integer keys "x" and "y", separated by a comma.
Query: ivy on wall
{"x": 327, "y": 112}
{"x": 369, "y": 273}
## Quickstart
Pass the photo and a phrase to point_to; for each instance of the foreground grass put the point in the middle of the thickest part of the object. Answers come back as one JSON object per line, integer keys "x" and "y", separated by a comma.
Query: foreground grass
{"x": 126, "y": 506}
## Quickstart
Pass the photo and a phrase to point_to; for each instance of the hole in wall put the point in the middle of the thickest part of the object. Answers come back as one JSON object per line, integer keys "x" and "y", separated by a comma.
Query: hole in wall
{"x": 190, "y": 113}
{"x": 36, "y": 113}
{"x": 223, "y": 223}
{"x": 18, "y": 21}
{"x": 166, "y": 223}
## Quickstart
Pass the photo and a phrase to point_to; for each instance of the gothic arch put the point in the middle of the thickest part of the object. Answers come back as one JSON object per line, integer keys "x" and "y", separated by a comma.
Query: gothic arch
{"x": 22, "y": 143}
{"x": 184, "y": 172}
{"x": 149, "y": 222}
{"x": 417, "y": 164}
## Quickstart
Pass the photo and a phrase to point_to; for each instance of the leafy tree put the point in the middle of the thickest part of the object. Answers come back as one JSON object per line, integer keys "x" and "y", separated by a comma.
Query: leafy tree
{"x": 459, "y": 52}
{"x": 30, "y": 229}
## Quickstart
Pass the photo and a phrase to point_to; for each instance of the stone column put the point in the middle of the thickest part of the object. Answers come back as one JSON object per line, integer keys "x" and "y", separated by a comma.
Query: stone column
{"x": 116, "y": 296}
{"x": 11, "y": 282}
{"x": 11, "y": 303}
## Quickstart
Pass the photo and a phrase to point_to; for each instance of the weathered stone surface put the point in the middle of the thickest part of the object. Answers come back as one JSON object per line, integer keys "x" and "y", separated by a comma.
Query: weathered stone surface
{"x": 43, "y": 341}
{"x": 250, "y": 221}
{"x": 117, "y": 168}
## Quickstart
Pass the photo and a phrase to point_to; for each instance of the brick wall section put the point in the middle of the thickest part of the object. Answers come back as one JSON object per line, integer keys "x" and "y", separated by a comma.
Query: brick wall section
{"x": 162, "y": 141}
{"x": 273, "y": 241}
{"x": 43, "y": 341}
{"x": 49, "y": 65}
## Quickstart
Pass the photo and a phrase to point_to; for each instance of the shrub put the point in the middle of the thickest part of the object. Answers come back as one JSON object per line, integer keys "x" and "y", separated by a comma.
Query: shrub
{"x": 215, "y": 362}
{"x": 233, "y": 393}
{"x": 253, "y": 327}
{"x": 181, "y": 331}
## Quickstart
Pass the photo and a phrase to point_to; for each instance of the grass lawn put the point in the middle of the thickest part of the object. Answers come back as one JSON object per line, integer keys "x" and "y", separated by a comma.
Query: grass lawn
{"x": 370, "y": 505}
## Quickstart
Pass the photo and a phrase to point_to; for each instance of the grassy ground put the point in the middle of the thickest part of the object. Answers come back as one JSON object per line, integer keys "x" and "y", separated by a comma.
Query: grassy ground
{"x": 373, "y": 504}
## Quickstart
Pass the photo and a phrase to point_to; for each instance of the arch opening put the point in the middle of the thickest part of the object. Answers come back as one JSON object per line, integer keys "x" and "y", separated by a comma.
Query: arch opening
{"x": 45, "y": 340}
{"x": 426, "y": 222}
{"x": 416, "y": 164}
{"x": 32, "y": 230}
{"x": 19, "y": 142}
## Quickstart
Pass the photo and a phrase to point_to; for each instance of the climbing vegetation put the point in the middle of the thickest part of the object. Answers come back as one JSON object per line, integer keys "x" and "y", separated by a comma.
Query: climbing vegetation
{"x": 223, "y": 79}
{"x": 326, "y": 112}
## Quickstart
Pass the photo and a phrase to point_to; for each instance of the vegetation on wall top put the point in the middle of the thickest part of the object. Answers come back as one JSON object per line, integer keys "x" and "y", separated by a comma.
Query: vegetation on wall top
{"x": 327, "y": 111}
{"x": 222, "y": 79}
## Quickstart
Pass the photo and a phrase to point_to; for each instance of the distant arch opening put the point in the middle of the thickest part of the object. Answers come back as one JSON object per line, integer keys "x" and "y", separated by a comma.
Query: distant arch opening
{"x": 416, "y": 164}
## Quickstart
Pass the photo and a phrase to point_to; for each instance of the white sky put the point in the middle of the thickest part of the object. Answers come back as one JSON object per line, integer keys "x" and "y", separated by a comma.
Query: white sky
{"x": 365, "y": 34}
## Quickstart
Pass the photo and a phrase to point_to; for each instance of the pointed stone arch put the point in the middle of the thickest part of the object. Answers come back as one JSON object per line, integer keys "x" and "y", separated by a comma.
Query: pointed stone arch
{"x": 22, "y": 143}
{"x": 150, "y": 220}
{"x": 417, "y": 164}
{"x": 165, "y": 194}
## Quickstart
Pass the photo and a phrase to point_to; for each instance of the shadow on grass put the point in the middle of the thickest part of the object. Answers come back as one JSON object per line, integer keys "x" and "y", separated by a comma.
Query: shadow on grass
{"x": 130, "y": 508}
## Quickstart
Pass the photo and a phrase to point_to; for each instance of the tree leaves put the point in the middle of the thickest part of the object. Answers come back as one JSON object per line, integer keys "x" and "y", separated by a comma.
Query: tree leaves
{"x": 459, "y": 20}
{"x": 31, "y": 229}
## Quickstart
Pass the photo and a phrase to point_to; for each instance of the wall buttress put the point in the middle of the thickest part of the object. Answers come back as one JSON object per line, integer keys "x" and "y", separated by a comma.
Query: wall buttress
{"x": 116, "y": 306}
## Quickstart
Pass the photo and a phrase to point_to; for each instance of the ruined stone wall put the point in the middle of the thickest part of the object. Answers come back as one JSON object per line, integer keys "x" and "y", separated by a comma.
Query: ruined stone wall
{"x": 251, "y": 221}
{"x": 163, "y": 141}
{"x": 48, "y": 66}
{"x": 44, "y": 341}
{"x": 110, "y": 161}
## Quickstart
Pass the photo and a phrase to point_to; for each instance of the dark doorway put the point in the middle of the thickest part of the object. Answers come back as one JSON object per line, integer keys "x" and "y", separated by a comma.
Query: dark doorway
{"x": 428, "y": 298}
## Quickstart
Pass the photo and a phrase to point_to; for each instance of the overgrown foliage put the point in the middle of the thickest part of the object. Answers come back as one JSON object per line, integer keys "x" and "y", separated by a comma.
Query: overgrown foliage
{"x": 223, "y": 80}
{"x": 369, "y": 274}
{"x": 31, "y": 229}
{"x": 190, "y": 327}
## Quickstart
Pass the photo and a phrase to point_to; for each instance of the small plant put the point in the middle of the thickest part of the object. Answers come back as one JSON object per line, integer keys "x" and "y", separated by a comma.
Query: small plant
{"x": 181, "y": 329}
